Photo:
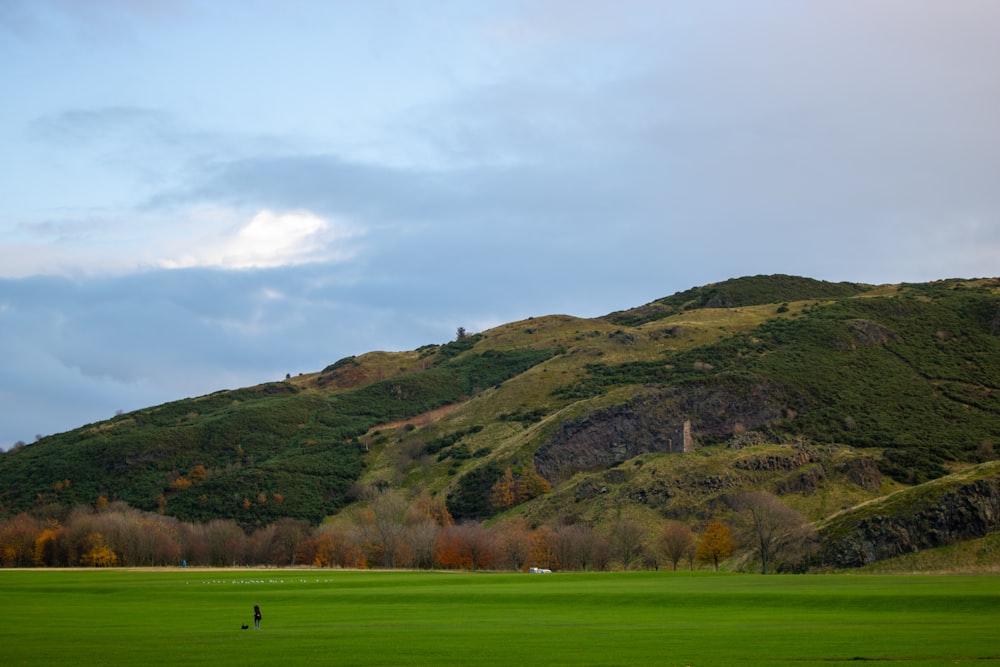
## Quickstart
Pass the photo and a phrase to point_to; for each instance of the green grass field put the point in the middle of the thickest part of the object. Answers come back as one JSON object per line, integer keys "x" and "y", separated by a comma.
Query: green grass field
{"x": 125, "y": 617}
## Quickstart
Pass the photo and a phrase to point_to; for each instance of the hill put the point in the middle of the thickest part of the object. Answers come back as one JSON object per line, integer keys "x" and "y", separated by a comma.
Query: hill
{"x": 829, "y": 395}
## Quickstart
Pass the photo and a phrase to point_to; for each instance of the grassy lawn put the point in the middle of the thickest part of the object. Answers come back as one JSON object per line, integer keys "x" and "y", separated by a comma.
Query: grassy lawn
{"x": 122, "y": 617}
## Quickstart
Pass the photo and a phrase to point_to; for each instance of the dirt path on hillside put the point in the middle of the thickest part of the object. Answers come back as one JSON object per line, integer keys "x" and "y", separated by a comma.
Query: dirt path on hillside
{"x": 422, "y": 419}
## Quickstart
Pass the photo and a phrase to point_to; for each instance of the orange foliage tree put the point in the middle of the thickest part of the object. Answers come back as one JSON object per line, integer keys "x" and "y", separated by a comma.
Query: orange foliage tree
{"x": 716, "y": 544}
{"x": 513, "y": 489}
{"x": 542, "y": 553}
{"x": 504, "y": 494}
{"x": 468, "y": 546}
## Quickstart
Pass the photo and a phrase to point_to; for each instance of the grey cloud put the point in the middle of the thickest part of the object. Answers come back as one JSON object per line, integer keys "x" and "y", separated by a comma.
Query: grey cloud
{"x": 148, "y": 338}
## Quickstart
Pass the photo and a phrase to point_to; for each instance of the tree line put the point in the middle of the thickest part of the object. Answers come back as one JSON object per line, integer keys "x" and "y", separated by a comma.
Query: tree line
{"x": 398, "y": 530}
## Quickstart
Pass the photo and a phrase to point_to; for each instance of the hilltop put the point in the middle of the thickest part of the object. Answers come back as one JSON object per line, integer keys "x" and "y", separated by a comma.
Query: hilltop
{"x": 832, "y": 396}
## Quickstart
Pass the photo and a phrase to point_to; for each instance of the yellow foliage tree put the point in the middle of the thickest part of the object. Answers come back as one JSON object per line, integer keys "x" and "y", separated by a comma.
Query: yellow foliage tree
{"x": 99, "y": 554}
{"x": 45, "y": 546}
{"x": 532, "y": 485}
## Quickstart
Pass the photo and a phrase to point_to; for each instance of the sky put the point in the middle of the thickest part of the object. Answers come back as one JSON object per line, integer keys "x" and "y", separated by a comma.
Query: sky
{"x": 208, "y": 194}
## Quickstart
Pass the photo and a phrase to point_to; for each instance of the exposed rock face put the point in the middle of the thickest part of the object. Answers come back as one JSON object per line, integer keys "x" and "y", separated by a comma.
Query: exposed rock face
{"x": 656, "y": 423}
{"x": 794, "y": 459}
{"x": 719, "y": 408}
{"x": 864, "y": 472}
{"x": 966, "y": 512}
{"x": 806, "y": 480}
{"x": 610, "y": 436}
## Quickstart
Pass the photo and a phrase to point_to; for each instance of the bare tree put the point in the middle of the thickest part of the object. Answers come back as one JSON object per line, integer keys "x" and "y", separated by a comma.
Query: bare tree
{"x": 573, "y": 546}
{"x": 289, "y": 534}
{"x": 625, "y": 540}
{"x": 419, "y": 539}
{"x": 388, "y": 516}
{"x": 676, "y": 541}
{"x": 225, "y": 540}
{"x": 771, "y": 529}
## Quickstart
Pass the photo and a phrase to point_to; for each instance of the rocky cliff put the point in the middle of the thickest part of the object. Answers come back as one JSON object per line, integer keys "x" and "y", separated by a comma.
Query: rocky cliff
{"x": 675, "y": 420}
{"x": 911, "y": 521}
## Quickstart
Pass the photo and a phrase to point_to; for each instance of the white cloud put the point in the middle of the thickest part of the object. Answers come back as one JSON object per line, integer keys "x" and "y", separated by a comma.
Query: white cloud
{"x": 271, "y": 240}
{"x": 116, "y": 242}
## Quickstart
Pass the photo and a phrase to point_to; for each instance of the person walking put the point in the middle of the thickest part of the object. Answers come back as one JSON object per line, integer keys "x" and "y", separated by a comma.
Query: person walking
{"x": 256, "y": 616}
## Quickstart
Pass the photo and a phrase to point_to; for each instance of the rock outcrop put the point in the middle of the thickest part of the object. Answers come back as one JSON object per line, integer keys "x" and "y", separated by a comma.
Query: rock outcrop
{"x": 608, "y": 437}
{"x": 662, "y": 421}
{"x": 965, "y": 511}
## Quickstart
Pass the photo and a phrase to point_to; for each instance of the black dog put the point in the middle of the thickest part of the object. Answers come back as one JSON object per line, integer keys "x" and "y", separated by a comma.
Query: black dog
{"x": 245, "y": 627}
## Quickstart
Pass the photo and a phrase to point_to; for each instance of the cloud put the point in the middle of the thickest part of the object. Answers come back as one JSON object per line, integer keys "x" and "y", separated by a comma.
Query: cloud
{"x": 204, "y": 235}
{"x": 271, "y": 240}
{"x": 222, "y": 213}
{"x": 77, "y": 349}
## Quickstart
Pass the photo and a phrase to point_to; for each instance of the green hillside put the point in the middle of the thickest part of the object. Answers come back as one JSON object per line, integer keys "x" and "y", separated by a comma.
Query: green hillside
{"x": 828, "y": 395}
{"x": 278, "y": 450}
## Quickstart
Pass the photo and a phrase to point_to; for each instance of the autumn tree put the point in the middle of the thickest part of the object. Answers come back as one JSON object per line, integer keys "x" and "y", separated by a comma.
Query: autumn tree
{"x": 435, "y": 509}
{"x": 504, "y": 494}
{"x": 716, "y": 544}
{"x": 467, "y": 546}
{"x": 49, "y": 550}
{"x": 337, "y": 544}
{"x": 137, "y": 538}
{"x": 515, "y": 488}
{"x": 542, "y": 553}
{"x": 382, "y": 525}
{"x": 479, "y": 544}
{"x": 328, "y": 548}
{"x": 448, "y": 549}
{"x": 513, "y": 543}
{"x": 676, "y": 541}
{"x": 97, "y": 553}
{"x": 531, "y": 484}
{"x": 772, "y": 530}
{"x": 17, "y": 540}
